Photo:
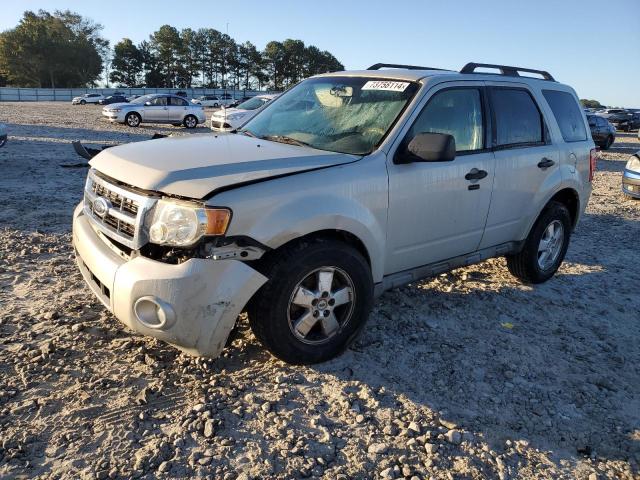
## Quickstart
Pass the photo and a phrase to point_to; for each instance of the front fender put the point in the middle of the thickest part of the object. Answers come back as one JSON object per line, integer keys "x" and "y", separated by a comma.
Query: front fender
{"x": 351, "y": 198}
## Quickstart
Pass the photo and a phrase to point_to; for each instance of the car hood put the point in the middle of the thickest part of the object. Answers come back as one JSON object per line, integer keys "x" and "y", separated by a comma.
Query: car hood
{"x": 229, "y": 111}
{"x": 117, "y": 104}
{"x": 195, "y": 165}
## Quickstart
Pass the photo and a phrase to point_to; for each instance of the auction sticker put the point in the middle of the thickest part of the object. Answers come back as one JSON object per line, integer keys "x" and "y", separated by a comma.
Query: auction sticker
{"x": 385, "y": 85}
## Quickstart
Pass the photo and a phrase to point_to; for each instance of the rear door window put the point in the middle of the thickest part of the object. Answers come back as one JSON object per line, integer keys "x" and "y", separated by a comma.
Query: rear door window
{"x": 518, "y": 121}
{"x": 567, "y": 113}
{"x": 177, "y": 102}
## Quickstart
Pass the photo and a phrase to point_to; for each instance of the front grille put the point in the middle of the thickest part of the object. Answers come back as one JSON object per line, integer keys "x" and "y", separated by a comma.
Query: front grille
{"x": 217, "y": 124}
{"x": 123, "y": 217}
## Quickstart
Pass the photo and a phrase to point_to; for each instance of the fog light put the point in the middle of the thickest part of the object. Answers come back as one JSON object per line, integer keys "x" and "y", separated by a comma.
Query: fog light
{"x": 154, "y": 313}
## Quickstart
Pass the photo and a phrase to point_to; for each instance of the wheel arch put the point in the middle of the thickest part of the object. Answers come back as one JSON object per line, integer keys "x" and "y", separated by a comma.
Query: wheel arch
{"x": 569, "y": 198}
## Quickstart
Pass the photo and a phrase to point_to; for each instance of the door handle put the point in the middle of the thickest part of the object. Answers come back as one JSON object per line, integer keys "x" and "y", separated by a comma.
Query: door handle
{"x": 476, "y": 174}
{"x": 546, "y": 163}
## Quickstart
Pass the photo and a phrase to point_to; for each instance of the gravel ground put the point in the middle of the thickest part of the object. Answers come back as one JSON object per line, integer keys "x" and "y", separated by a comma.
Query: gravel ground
{"x": 467, "y": 375}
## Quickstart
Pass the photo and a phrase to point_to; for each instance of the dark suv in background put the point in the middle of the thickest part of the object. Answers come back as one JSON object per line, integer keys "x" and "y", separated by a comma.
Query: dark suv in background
{"x": 622, "y": 119}
{"x": 602, "y": 132}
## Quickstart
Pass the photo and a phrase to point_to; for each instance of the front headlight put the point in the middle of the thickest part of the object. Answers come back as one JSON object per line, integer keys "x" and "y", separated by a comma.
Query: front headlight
{"x": 633, "y": 164}
{"x": 182, "y": 224}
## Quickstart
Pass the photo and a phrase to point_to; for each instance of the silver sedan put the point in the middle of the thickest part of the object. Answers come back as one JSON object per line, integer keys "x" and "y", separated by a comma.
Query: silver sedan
{"x": 157, "y": 108}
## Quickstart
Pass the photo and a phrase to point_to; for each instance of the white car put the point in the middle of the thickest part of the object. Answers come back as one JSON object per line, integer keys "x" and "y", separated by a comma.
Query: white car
{"x": 3, "y": 134}
{"x": 87, "y": 98}
{"x": 230, "y": 118}
{"x": 214, "y": 101}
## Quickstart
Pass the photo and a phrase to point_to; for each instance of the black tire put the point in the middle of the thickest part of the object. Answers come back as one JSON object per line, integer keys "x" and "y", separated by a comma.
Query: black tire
{"x": 607, "y": 143}
{"x": 215, "y": 105}
{"x": 525, "y": 265}
{"x": 132, "y": 119}
{"x": 190, "y": 121}
{"x": 83, "y": 102}
{"x": 269, "y": 310}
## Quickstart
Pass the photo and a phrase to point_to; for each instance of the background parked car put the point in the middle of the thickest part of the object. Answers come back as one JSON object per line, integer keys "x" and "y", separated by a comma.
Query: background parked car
{"x": 87, "y": 98}
{"x": 181, "y": 93}
{"x": 113, "y": 99}
{"x": 631, "y": 176}
{"x": 622, "y": 119}
{"x": 239, "y": 101}
{"x": 231, "y": 118}
{"x": 133, "y": 97}
{"x": 3, "y": 135}
{"x": 157, "y": 108}
{"x": 207, "y": 101}
{"x": 602, "y": 132}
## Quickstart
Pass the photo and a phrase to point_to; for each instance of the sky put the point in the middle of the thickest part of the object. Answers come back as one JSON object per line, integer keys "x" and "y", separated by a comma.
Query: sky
{"x": 592, "y": 45}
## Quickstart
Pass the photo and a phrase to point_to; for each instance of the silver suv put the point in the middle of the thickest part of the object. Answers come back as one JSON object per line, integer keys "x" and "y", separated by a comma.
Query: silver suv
{"x": 349, "y": 184}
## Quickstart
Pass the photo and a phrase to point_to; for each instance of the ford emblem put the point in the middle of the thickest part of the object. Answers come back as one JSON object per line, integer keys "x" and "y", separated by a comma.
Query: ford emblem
{"x": 101, "y": 206}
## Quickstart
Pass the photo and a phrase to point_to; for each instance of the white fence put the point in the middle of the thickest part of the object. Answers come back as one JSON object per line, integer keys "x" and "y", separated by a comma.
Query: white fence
{"x": 9, "y": 94}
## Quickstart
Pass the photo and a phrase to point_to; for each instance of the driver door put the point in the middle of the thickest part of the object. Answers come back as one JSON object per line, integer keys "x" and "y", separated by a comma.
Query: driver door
{"x": 435, "y": 212}
{"x": 156, "y": 110}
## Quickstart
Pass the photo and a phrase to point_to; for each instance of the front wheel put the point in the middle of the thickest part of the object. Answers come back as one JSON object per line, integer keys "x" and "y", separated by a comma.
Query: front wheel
{"x": 83, "y": 102}
{"x": 545, "y": 247}
{"x": 316, "y": 301}
{"x": 190, "y": 121}
{"x": 132, "y": 119}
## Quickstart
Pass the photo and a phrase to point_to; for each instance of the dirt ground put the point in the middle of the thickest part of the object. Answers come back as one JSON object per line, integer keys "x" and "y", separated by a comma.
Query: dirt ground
{"x": 467, "y": 375}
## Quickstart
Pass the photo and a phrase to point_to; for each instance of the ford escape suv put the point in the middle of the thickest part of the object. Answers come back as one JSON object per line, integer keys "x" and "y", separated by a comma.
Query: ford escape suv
{"x": 348, "y": 184}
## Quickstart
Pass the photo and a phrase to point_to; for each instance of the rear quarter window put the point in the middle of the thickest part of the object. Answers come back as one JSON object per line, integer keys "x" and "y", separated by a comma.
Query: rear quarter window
{"x": 567, "y": 113}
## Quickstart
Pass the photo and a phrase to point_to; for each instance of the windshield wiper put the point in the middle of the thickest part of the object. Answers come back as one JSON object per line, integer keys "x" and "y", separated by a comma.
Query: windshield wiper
{"x": 246, "y": 132}
{"x": 285, "y": 139}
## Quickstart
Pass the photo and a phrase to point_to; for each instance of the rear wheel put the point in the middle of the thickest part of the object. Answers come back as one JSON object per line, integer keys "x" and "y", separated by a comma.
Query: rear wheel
{"x": 545, "y": 247}
{"x": 190, "y": 121}
{"x": 315, "y": 303}
{"x": 132, "y": 119}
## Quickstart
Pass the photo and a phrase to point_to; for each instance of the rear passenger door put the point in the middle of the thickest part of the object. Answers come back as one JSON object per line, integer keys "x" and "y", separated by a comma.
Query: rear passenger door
{"x": 156, "y": 111}
{"x": 177, "y": 109}
{"x": 527, "y": 163}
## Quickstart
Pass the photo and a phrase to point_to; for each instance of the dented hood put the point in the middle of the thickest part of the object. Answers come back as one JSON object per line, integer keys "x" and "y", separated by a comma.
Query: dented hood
{"x": 196, "y": 165}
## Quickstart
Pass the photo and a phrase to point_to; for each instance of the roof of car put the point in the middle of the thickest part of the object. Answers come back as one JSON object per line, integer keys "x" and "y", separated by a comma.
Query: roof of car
{"x": 468, "y": 72}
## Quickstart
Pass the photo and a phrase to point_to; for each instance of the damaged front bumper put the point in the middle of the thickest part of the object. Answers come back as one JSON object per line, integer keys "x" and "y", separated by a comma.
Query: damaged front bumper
{"x": 192, "y": 305}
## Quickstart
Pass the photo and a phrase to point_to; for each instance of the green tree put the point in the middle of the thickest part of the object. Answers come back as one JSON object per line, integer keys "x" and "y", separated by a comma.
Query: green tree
{"x": 62, "y": 49}
{"x": 273, "y": 55}
{"x": 590, "y": 103}
{"x": 127, "y": 64}
{"x": 168, "y": 51}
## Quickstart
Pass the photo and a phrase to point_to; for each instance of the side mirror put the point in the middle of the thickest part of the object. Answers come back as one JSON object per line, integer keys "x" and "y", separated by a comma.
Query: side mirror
{"x": 147, "y": 104}
{"x": 427, "y": 147}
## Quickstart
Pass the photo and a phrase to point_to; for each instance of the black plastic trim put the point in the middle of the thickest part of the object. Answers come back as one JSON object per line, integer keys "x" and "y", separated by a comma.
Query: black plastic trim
{"x": 378, "y": 66}
{"x": 507, "y": 70}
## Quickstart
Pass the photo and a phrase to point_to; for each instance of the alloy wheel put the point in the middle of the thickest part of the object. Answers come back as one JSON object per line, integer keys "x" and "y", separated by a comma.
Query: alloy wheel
{"x": 321, "y": 305}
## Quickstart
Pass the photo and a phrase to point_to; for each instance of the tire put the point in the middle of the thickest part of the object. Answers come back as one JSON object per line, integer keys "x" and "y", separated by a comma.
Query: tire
{"x": 301, "y": 271}
{"x": 607, "y": 143}
{"x": 190, "y": 121}
{"x": 215, "y": 105}
{"x": 83, "y": 102}
{"x": 133, "y": 119}
{"x": 529, "y": 265}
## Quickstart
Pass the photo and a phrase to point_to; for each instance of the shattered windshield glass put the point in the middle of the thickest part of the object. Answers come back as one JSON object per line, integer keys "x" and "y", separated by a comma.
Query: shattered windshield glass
{"x": 340, "y": 114}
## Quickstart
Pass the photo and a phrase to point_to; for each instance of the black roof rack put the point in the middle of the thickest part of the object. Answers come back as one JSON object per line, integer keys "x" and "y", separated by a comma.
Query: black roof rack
{"x": 378, "y": 66}
{"x": 505, "y": 70}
